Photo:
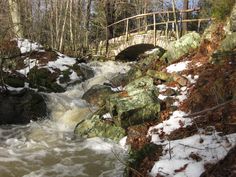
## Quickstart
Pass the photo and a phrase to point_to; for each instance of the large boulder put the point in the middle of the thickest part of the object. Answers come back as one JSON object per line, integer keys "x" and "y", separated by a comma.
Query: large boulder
{"x": 97, "y": 94}
{"x": 15, "y": 79}
{"x": 96, "y": 127}
{"x": 21, "y": 107}
{"x": 125, "y": 78}
{"x": 137, "y": 104}
{"x": 184, "y": 45}
{"x": 44, "y": 80}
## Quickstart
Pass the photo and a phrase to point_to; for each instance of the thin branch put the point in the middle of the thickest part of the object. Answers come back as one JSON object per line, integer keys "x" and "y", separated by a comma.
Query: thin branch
{"x": 209, "y": 109}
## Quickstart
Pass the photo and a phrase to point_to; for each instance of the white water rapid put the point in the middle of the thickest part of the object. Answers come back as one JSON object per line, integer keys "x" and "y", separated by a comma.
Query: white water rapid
{"x": 47, "y": 148}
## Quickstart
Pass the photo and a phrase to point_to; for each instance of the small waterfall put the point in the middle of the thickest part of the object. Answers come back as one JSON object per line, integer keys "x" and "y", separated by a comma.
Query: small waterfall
{"x": 46, "y": 149}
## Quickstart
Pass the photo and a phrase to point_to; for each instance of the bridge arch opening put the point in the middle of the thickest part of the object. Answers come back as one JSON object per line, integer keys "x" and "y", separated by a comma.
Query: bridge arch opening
{"x": 133, "y": 52}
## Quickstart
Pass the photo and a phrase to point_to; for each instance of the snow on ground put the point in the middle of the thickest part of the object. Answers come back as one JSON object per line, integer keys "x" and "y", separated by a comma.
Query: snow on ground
{"x": 186, "y": 157}
{"x": 175, "y": 122}
{"x": 26, "y": 45}
{"x": 178, "y": 67}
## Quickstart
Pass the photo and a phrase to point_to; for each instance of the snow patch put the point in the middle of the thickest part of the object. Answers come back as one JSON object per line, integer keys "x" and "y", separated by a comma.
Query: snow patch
{"x": 181, "y": 66}
{"x": 62, "y": 62}
{"x": 175, "y": 122}
{"x": 209, "y": 149}
{"x": 25, "y": 45}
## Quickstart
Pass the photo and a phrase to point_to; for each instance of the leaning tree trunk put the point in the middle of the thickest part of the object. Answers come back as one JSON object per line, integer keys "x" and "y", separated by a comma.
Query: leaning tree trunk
{"x": 15, "y": 16}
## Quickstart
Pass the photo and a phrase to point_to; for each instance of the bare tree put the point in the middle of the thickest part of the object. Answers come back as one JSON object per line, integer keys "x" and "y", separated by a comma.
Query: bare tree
{"x": 15, "y": 16}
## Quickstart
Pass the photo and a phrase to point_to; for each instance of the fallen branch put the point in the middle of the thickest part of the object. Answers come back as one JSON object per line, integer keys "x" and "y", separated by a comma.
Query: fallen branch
{"x": 209, "y": 109}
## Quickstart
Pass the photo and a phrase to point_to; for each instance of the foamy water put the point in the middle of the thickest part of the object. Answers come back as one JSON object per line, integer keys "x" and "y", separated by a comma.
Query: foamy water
{"x": 49, "y": 147}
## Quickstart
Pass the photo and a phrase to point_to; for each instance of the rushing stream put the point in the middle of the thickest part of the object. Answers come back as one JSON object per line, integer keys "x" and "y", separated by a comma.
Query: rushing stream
{"x": 48, "y": 147}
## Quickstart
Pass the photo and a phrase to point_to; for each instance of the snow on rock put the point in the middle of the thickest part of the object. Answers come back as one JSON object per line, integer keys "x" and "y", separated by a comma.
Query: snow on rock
{"x": 25, "y": 45}
{"x": 30, "y": 63}
{"x": 181, "y": 66}
{"x": 123, "y": 144}
{"x": 62, "y": 62}
{"x": 189, "y": 155}
{"x": 107, "y": 116}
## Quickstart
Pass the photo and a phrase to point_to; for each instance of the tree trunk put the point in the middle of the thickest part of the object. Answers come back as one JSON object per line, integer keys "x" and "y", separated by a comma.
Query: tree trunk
{"x": 87, "y": 20}
{"x": 63, "y": 27}
{"x": 15, "y": 16}
{"x": 185, "y": 16}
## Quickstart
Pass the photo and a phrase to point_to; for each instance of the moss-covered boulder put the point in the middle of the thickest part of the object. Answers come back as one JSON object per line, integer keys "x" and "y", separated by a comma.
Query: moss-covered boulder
{"x": 137, "y": 104}
{"x": 150, "y": 56}
{"x": 159, "y": 75}
{"x": 184, "y": 45}
{"x": 97, "y": 94}
{"x": 96, "y": 127}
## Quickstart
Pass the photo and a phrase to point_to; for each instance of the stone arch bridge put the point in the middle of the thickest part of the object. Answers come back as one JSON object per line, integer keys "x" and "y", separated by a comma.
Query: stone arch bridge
{"x": 159, "y": 33}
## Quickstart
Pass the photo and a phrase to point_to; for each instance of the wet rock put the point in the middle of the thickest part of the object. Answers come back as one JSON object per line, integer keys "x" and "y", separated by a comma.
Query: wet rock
{"x": 96, "y": 127}
{"x": 83, "y": 70}
{"x": 97, "y": 94}
{"x": 121, "y": 79}
{"x": 124, "y": 78}
{"x": 44, "y": 79}
{"x": 15, "y": 79}
{"x": 184, "y": 45}
{"x": 65, "y": 76}
{"x": 86, "y": 71}
{"x": 21, "y": 107}
{"x": 137, "y": 104}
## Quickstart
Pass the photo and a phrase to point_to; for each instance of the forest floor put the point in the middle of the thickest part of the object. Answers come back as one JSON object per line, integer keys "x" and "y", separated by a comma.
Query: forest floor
{"x": 195, "y": 139}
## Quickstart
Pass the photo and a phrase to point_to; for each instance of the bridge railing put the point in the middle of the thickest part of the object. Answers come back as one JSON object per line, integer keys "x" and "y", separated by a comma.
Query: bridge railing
{"x": 154, "y": 17}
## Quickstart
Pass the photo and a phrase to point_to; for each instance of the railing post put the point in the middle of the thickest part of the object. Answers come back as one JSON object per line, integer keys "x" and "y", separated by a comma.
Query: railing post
{"x": 155, "y": 31}
{"x": 167, "y": 24}
{"x": 175, "y": 19}
{"x": 127, "y": 30}
{"x": 107, "y": 40}
{"x": 199, "y": 25}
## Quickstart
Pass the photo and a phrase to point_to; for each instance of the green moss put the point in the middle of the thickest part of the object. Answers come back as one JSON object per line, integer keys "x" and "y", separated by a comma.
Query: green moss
{"x": 96, "y": 127}
{"x": 222, "y": 8}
